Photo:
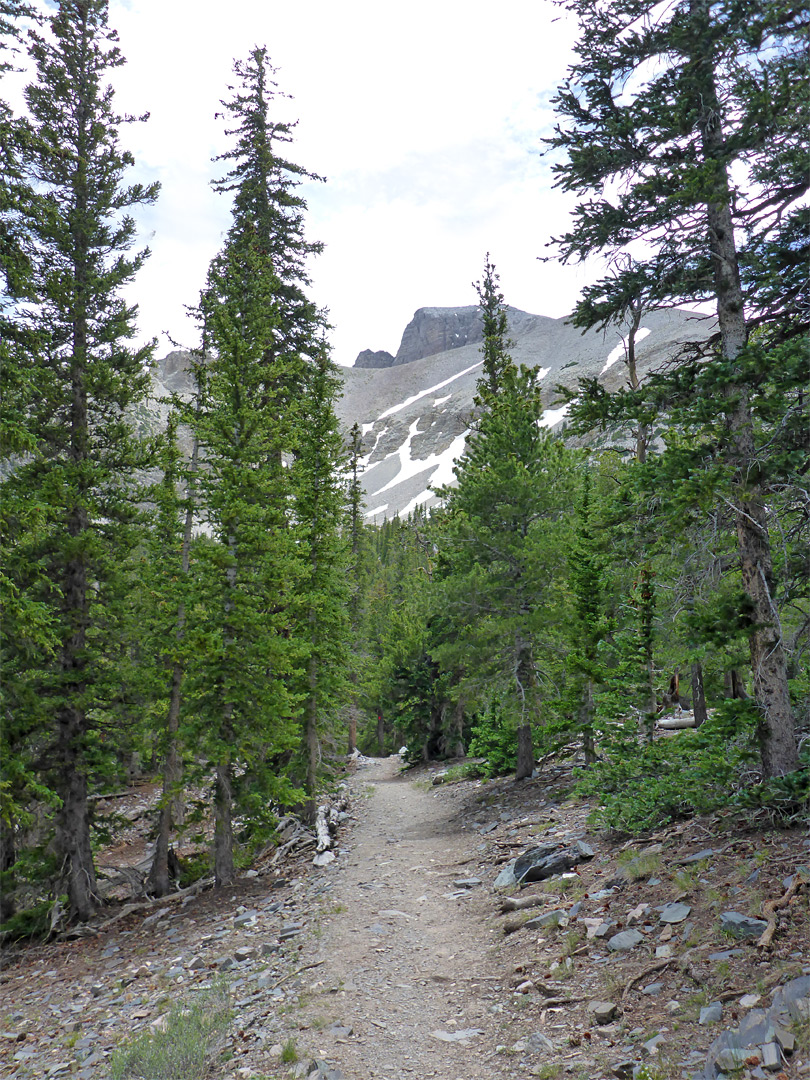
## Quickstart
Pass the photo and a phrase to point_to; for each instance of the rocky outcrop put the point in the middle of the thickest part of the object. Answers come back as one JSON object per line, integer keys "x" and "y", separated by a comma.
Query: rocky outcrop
{"x": 368, "y": 358}
{"x": 434, "y": 330}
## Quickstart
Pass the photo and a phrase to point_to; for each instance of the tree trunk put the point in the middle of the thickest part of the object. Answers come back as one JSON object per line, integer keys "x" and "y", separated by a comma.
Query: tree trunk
{"x": 73, "y": 828}
{"x": 586, "y": 723}
{"x": 768, "y": 662}
{"x": 698, "y": 695}
{"x": 171, "y": 807}
{"x": 380, "y": 733}
{"x": 223, "y": 826}
{"x": 311, "y": 734}
{"x": 525, "y": 752}
{"x": 8, "y": 857}
{"x": 646, "y": 613}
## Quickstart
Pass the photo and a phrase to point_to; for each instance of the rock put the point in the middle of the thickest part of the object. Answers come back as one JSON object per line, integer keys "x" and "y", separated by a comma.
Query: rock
{"x": 741, "y": 926}
{"x": 543, "y": 862}
{"x": 625, "y": 940}
{"x": 699, "y": 856}
{"x": 623, "y": 1070}
{"x": 245, "y": 953}
{"x": 376, "y": 359}
{"x": 637, "y": 914}
{"x": 735, "y": 1058}
{"x": 506, "y": 878}
{"x": 771, "y": 1057}
{"x": 748, "y": 1001}
{"x": 467, "y": 883}
{"x": 196, "y": 963}
{"x": 290, "y": 930}
{"x": 246, "y": 918}
{"x": 557, "y": 917}
{"x": 663, "y": 952}
{"x": 675, "y": 913}
{"x": 323, "y": 858}
{"x": 652, "y": 989}
{"x": 525, "y": 987}
{"x": 666, "y": 933}
{"x": 456, "y": 1036}
{"x": 538, "y": 1043}
{"x": 673, "y": 1007}
{"x": 786, "y": 1039}
{"x": 711, "y": 1014}
{"x": 603, "y": 1011}
{"x": 650, "y": 1047}
{"x": 726, "y": 954}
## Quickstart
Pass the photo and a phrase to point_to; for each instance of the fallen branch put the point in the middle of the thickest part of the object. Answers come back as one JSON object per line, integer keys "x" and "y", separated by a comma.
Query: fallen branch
{"x": 771, "y": 907}
{"x": 297, "y": 971}
{"x": 643, "y": 975}
{"x": 520, "y": 903}
{"x": 133, "y": 909}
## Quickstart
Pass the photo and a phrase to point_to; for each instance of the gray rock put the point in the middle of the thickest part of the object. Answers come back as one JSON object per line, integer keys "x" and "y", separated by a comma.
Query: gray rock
{"x": 456, "y": 1036}
{"x": 699, "y": 856}
{"x": 771, "y": 1057}
{"x": 322, "y": 1070}
{"x": 726, "y": 954}
{"x": 603, "y": 1011}
{"x": 538, "y": 1043}
{"x": 467, "y": 883}
{"x": 506, "y": 878}
{"x": 557, "y": 917}
{"x": 712, "y": 1013}
{"x": 625, "y": 940}
{"x": 741, "y": 926}
{"x": 623, "y": 1070}
{"x": 246, "y": 918}
{"x": 675, "y": 913}
{"x": 650, "y": 1047}
{"x": 652, "y": 989}
{"x": 245, "y": 953}
{"x": 735, "y": 1058}
{"x": 374, "y": 359}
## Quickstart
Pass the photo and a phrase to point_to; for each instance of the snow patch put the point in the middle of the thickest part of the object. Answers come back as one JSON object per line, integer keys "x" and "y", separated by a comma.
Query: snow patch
{"x": 430, "y": 390}
{"x": 551, "y": 417}
{"x": 441, "y": 400}
{"x": 440, "y": 464}
{"x": 365, "y": 461}
{"x": 377, "y": 510}
{"x": 365, "y": 428}
{"x": 444, "y": 474}
{"x": 620, "y": 351}
{"x": 541, "y": 372}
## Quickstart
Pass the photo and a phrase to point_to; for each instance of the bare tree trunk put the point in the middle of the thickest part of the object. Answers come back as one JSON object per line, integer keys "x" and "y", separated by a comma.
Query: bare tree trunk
{"x": 698, "y": 694}
{"x": 646, "y": 612}
{"x": 223, "y": 826}
{"x": 525, "y": 752}
{"x": 311, "y": 734}
{"x": 171, "y": 806}
{"x": 768, "y": 662}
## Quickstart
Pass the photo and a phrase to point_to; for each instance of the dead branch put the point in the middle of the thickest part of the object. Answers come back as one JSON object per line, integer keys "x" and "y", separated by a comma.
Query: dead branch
{"x": 520, "y": 903}
{"x": 297, "y": 971}
{"x": 643, "y": 975}
{"x": 771, "y": 907}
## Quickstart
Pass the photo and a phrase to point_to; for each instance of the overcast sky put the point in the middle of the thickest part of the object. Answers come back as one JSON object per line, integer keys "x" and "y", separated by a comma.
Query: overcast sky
{"x": 425, "y": 118}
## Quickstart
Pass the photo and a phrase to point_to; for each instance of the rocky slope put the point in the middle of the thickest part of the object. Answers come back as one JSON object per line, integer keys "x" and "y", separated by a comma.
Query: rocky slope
{"x": 415, "y": 412}
{"x": 414, "y": 409}
{"x": 400, "y": 958}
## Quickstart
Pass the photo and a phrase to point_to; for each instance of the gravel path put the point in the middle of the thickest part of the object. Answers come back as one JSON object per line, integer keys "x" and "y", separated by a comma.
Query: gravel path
{"x": 407, "y": 957}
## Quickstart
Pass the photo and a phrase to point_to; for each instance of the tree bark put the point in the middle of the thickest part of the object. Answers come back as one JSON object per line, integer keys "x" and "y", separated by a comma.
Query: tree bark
{"x": 775, "y": 728}
{"x": 8, "y": 857}
{"x": 698, "y": 695}
{"x": 380, "y": 733}
{"x": 525, "y": 752}
{"x": 223, "y": 826}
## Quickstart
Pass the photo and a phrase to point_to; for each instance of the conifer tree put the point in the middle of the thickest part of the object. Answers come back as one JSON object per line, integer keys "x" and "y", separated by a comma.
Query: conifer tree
{"x": 86, "y": 377}
{"x": 266, "y": 394}
{"x": 661, "y": 106}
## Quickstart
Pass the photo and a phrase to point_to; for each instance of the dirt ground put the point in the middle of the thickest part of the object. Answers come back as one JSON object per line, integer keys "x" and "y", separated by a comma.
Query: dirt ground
{"x": 393, "y": 961}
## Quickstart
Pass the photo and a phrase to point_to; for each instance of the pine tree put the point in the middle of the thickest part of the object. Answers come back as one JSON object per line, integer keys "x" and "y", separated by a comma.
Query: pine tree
{"x": 660, "y": 107}
{"x": 266, "y": 394}
{"x": 86, "y": 378}
{"x": 495, "y": 348}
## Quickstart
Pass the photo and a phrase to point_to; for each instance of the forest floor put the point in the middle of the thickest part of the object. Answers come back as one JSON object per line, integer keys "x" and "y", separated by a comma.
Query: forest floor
{"x": 393, "y": 961}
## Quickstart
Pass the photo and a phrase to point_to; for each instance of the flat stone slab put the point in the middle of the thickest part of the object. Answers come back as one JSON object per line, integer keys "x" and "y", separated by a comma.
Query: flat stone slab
{"x": 625, "y": 940}
{"x": 675, "y": 913}
{"x": 741, "y": 926}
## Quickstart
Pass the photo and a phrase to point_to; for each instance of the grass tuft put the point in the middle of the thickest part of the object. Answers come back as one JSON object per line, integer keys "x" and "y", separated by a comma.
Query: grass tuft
{"x": 191, "y": 1035}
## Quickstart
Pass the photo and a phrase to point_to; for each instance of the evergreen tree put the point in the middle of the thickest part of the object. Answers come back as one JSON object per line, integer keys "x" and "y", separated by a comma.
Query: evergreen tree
{"x": 497, "y": 361}
{"x": 660, "y": 107}
{"x": 266, "y": 394}
{"x": 86, "y": 377}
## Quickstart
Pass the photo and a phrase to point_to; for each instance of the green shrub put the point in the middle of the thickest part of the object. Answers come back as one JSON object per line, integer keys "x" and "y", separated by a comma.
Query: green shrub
{"x": 183, "y": 1049}
{"x": 494, "y": 739}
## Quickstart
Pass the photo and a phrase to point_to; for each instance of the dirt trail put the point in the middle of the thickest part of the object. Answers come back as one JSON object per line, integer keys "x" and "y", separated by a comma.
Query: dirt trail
{"x": 405, "y": 956}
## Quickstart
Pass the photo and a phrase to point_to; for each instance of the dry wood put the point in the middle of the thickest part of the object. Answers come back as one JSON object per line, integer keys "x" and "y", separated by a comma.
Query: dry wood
{"x": 643, "y": 975}
{"x": 770, "y": 909}
{"x": 132, "y": 909}
{"x": 297, "y": 971}
{"x": 520, "y": 903}
{"x": 322, "y": 829}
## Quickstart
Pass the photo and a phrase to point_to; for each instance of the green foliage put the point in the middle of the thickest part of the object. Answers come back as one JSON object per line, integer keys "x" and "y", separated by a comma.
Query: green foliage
{"x": 183, "y": 1049}
{"x": 642, "y": 787}
{"x": 493, "y": 738}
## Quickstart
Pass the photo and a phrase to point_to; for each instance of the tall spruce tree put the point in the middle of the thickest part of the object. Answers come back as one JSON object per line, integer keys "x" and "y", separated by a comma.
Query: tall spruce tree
{"x": 266, "y": 394}
{"x": 663, "y": 115}
{"x": 86, "y": 376}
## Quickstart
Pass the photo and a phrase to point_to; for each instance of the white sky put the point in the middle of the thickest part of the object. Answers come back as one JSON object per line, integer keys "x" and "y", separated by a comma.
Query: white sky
{"x": 425, "y": 118}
